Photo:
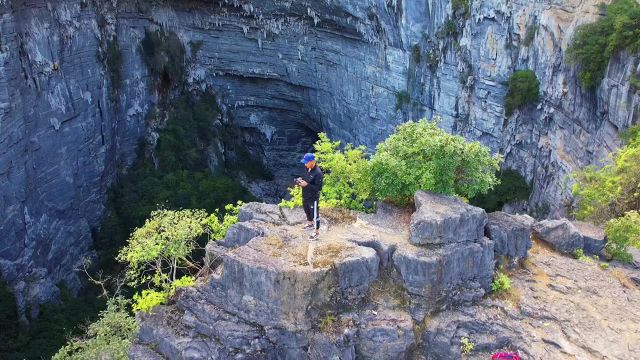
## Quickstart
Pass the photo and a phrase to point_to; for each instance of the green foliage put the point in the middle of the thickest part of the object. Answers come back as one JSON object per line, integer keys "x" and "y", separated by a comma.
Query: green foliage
{"x": 108, "y": 338}
{"x": 421, "y": 156}
{"x": 218, "y": 223}
{"x": 622, "y": 233}
{"x": 327, "y": 322}
{"x": 448, "y": 29}
{"x": 164, "y": 55}
{"x": 148, "y": 299}
{"x": 402, "y": 99}
{"x": 156, "y": 251}
{"x": 114, "y": 62}
{"x": 614, "y": 189}
{"x": 501, "y": 283}
{"x": 346, "y": 184}
{"x": 634, "y": 80}
{"x": 604, "y": 266}
{"x": 530, "y": 35}
{"x": 460, "y": 8}
{"x": 524, "y": 88}
{"x": 45, "y": 335}
{"x": 466, "y": 346}
{"x": 511, "y": 187}
{"x": 416, "y": 53}
{"x": 578, "y": 254}
{"x": 594, "y": 44}
{"x": 187, "y": 133}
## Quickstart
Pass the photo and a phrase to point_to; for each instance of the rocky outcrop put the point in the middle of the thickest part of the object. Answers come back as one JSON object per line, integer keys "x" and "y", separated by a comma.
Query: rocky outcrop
{"x": 560, "y": 234}
{"x": 282, "y": 71}
{"x": 442, "y": 219}
{"x": 567, "y": 237}
{"x": 360, "y": 291}
{"x": 510, "y": 233}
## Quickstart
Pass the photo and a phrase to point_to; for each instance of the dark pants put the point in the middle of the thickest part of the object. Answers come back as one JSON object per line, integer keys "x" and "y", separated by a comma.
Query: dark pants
{"x": 312, "y": 210}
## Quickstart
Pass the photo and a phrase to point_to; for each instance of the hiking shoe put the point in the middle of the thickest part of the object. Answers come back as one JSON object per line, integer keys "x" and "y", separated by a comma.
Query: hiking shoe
{"x": 308, "y": 227}
{"x": 314, "y": 236}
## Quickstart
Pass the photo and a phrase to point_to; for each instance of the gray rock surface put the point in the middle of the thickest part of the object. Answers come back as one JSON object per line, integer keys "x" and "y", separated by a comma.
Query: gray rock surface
{"x": 295, "y": 216}
{"x": 282, "y": 71}
{"x": 560, "y": 234}
{"x": 385, "y": 335}
{"x": 594, "y": 237}
{"x": 560, "y": 307}
{"x": 450, "y": 275}
{"x": 443, "y": 219}
{"x": 269, "y": 213}
{"x": 241, "y": 233}
{"x": 510, "y": 233}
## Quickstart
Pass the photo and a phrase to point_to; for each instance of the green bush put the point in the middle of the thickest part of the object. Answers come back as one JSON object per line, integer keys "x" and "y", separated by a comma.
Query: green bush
{"x": 634, "y": 80}
{"x": 109, "y": 337}
{"x": 501, "y": 283}
{"x": 460, "y": 8}
{"x": 421, "y": 156}
{"x": 466, "y": 346}
{"x": 347, "y": 183}
{"x": 530, "y": 35}
{"x": 45, "y": 335}
{"x": 402, "y": 99}
{"x": 622, "y": 233}
{"x": 114, "y": 62}
{"x": 511, "y": 187}
{"x": 523, "y": 89}
{"x": 593, "y": 44}
{"x": 164, "y": 55}
{"x": 612, "y": 190}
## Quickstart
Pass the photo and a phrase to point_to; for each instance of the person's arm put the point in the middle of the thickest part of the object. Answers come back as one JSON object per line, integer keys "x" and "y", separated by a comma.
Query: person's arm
{"x": 316, "y": 186}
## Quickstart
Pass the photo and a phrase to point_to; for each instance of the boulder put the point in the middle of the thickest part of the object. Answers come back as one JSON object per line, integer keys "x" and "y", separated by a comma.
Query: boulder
{"x": 356, "y": 272}
{"x": 510, "y": 233}
{"x": 385, "y": 334}
{"x": 593, "y": 236}
{"x": 560, "y": 234}
{"x": 452, "y": 274}
{"x": 269, "y": 213}
{"x": 241, "y": 233}
{"x": 383, "y": 249}
{"x": 293, "y": 216}
{"x": 443, "y": 219}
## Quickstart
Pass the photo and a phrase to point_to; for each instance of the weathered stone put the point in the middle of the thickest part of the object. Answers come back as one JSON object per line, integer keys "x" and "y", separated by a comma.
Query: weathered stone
{"x": 560, "y": 234}
{"x": 593, "y": 236}
{"x": 510, "y": 233}
{"x": 443, "y": 219}
{"x": 331, "y": 347}
{"x": 293, "y": 216}
{"x": 268, "y": 213}
{"x": 357, "y": 271}
{"x": 385, "y": 334}
{"x": 454, "y": 273}
{"x": 241, "y": 233}
{"x": 383, "y": 249}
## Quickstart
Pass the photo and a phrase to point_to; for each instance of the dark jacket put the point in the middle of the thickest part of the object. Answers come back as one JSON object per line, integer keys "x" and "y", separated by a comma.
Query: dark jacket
{"x": 314, "y": 178}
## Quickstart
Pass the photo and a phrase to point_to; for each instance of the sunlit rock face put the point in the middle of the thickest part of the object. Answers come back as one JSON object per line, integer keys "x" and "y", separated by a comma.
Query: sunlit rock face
{"x": 282, "y": 71}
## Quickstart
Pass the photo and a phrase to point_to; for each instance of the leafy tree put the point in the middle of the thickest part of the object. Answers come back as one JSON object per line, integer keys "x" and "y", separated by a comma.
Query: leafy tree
{"x": 108, "y": 338}
{"x": 421, "y": 156}
{"x": 164, "y": 245}
{"x": 347, "y": 183}
{"x": 622, "y": 233}
{"x": 614, "y": 189}
{"x": 594, "y": 44}
{"x": 524, "y": 88}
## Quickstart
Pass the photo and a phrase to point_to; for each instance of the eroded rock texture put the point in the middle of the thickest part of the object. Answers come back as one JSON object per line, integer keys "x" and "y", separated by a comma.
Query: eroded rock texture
{"x": 282, "y": 70}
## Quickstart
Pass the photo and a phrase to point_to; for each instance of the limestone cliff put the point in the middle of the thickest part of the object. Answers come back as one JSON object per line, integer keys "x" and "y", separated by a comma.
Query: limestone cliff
{"x": 283, "y": 70}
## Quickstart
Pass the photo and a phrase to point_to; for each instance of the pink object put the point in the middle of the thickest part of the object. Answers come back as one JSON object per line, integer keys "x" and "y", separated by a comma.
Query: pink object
{"x": 506, "y": 356}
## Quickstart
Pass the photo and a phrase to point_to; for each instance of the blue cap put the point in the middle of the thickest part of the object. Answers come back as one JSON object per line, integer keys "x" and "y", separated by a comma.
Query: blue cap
{"x": 308, "y": 157}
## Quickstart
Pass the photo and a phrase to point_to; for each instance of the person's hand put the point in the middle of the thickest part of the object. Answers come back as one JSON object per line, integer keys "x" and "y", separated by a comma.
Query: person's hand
{"x": 303, "y": 183}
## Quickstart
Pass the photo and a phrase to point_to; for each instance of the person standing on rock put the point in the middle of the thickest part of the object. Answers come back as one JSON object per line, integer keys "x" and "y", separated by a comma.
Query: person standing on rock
{"x": 311, "y": 183}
